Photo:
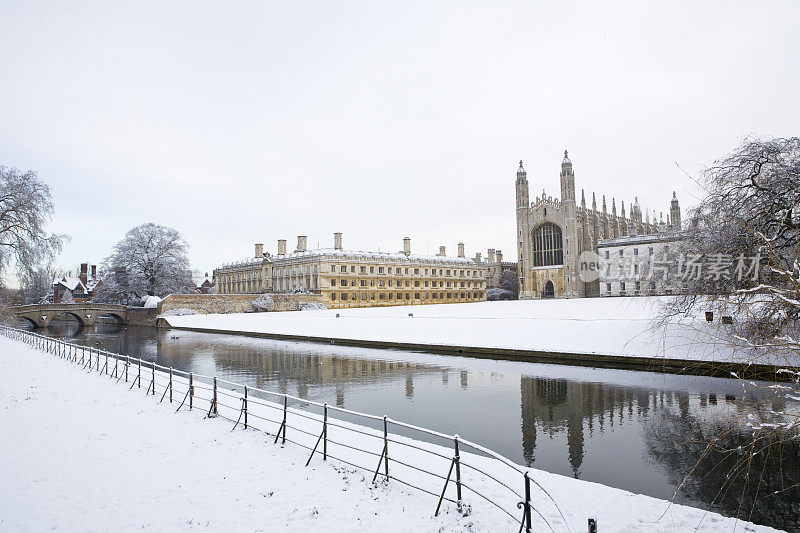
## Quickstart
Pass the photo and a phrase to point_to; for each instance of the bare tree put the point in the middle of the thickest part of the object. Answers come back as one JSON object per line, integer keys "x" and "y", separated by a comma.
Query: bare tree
{"x": 37, "y": 285}
{"x": 26, "y": 207}
{"x": 750, "y": 221}
{"x": 149, "y": 260}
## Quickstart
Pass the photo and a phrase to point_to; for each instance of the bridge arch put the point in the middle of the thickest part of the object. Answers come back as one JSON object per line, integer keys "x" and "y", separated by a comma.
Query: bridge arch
{"x": 29, "y": 320}
{"x": 119, "y": 318}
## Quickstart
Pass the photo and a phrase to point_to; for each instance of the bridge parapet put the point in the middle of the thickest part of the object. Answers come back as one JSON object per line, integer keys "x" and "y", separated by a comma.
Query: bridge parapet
{"x": 40, "y": 315}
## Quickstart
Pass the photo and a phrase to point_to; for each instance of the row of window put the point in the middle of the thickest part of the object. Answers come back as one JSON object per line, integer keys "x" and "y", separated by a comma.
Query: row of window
{"x": 364, "y": 296}
{"x": 399, "y": 271}
{"x": 400, "y": 283}
{"x": 650, "y": 251}
{"x": 624, "y": 288}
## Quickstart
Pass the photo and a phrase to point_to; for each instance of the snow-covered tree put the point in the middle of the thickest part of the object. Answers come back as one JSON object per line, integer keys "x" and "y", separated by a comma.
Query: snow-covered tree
{"x": 67, "y": 298}
{"x": 26, "y": 207}
{"x": 149, "y": 260}
{"x": 37, "y": 285}
{"x": 263, "y": 304}
{"x": 510, "y": 283}
{"x": 750, "y": 220}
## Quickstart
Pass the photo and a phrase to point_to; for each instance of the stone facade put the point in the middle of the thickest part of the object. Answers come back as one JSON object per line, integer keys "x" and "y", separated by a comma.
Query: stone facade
{"x": 349, "y": 278}
{"x": 638, "y": 265}
{"x": 553, "y": 232}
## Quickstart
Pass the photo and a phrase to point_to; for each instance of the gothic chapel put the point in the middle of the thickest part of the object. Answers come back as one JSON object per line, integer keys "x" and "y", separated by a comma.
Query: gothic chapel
{"x": 552, "y": 233}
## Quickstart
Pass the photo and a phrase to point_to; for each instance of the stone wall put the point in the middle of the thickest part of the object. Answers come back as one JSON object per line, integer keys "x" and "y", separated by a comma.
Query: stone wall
{"x": 233, "y": 303}
{"x": 141, "y": 316}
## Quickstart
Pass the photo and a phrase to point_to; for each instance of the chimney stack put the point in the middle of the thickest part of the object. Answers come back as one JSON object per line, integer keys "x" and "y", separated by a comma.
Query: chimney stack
{"x": 490, "y": 255}
{"x": 259, "y": 250}
{"x": 499, "y": 256}
{"x": 302, "y": 240}
{"x": 281, "y": 246}
{"x": 94, "y": 271}
{"x": 461, "y": 249}
{"x": 84, "y": 272}
{"x": 478, "y": 259}
{"x": 407, "y": 245}
{"x": 337, "y": 241}
{"x": 442, "y": 251}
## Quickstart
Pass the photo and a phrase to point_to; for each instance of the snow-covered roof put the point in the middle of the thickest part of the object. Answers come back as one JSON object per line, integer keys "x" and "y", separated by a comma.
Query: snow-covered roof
{"x": 390, "y": 256}
{"x": 355, "y": 255}
{"x": 641, "y": 239}
{"x": 69, "y": 282}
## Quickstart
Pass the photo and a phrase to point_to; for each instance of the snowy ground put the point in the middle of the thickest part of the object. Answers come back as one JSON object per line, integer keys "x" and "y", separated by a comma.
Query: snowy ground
{"x": 606, "y": 326}
{"x": 81, "y": 451}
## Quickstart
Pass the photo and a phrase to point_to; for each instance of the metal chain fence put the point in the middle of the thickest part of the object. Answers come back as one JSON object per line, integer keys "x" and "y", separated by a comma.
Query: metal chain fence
{"x": 447, "y": 467}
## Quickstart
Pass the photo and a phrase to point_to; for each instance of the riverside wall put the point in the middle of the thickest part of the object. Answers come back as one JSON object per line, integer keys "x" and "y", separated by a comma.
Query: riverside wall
{"x": 205, "y": 304}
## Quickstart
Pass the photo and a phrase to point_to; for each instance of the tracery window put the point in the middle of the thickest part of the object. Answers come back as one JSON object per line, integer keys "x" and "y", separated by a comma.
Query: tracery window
{"x": 546, "y": 245}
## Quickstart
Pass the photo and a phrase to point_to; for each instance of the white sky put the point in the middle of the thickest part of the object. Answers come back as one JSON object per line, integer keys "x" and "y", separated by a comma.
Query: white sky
{"x": 239, "y": 122}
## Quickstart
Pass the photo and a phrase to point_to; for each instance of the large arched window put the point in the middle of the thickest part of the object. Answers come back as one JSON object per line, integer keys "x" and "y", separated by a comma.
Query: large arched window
{"x": 546, "y": 245}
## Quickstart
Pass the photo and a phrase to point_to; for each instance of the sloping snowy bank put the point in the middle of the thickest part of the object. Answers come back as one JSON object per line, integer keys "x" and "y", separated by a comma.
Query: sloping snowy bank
{"x": 82, "y": 451}
{"x": 604, "y": 326}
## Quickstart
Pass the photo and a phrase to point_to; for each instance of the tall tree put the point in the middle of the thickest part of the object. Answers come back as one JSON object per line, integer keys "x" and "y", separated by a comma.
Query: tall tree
{"x": 749, "y": 222}
{"x": 149, "y": 260}
{"x": 26, "y": 206}
{"x": 37, "y": 285}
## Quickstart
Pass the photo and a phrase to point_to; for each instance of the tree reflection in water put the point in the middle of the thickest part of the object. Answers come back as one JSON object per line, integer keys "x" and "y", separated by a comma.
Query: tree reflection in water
{"x": 714, "y": 456}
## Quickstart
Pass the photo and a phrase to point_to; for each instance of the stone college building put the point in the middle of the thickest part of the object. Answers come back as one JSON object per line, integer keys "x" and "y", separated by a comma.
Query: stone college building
{"x": 353, "y": 278}
{"x": 552, "y": 233}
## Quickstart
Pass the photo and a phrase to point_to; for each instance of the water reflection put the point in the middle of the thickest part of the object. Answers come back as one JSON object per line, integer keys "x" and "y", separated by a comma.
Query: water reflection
{"x": 637, "y": 431}
{"x": 729, "y": 479}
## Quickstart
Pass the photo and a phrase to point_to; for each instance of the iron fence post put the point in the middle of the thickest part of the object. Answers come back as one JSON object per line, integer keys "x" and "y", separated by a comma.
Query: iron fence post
{"x": 527, "y": 517}
{"x": 139, "y": 377}
{"x": 215, "y": 395}
{"x": 325, "y": 432}
{"x": 458, "y": 470}
{"x": 191, "y": 389}
{"x": 127, "y": 364}
{"x": 154, "y": 378}
{"x": 245, "y": 407}
{"x": 386, "y": 446}
{"x": 285, "y": 408}
{"x": 170, "y": 384}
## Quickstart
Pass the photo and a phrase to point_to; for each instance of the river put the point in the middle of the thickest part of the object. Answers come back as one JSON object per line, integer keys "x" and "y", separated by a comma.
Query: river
{"x": 638, "y": 431}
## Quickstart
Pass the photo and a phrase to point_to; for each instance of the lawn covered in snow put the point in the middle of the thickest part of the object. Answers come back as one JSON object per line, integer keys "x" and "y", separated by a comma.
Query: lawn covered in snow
{"x": 82, "y": 451}
{"x": 605, "y": 326}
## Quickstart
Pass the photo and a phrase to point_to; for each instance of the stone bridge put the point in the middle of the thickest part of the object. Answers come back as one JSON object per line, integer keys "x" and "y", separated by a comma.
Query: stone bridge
{"x": 87, "y": 314}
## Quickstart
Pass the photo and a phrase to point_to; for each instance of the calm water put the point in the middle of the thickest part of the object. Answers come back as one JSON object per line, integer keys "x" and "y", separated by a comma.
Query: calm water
{"x": 637, "y": 431}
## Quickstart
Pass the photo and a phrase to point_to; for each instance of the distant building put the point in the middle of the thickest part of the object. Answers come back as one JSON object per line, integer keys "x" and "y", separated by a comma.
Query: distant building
{"x": 495, "y": 266}
{"x": 553, "y": 232}
{"x": 351, "y": 278}
{"x": 205, "y": 285}
{"x": 638, "y": 265}
{"x": 80, "y": 289}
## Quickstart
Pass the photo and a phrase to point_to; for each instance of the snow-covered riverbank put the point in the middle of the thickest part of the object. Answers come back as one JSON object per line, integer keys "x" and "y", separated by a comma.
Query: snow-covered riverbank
{"x": 83, "y": 452}
{"x": 604, "y": 326}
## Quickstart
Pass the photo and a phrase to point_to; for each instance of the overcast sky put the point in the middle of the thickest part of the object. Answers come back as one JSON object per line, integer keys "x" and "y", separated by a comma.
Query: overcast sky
{"x": 244, "y": 122}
